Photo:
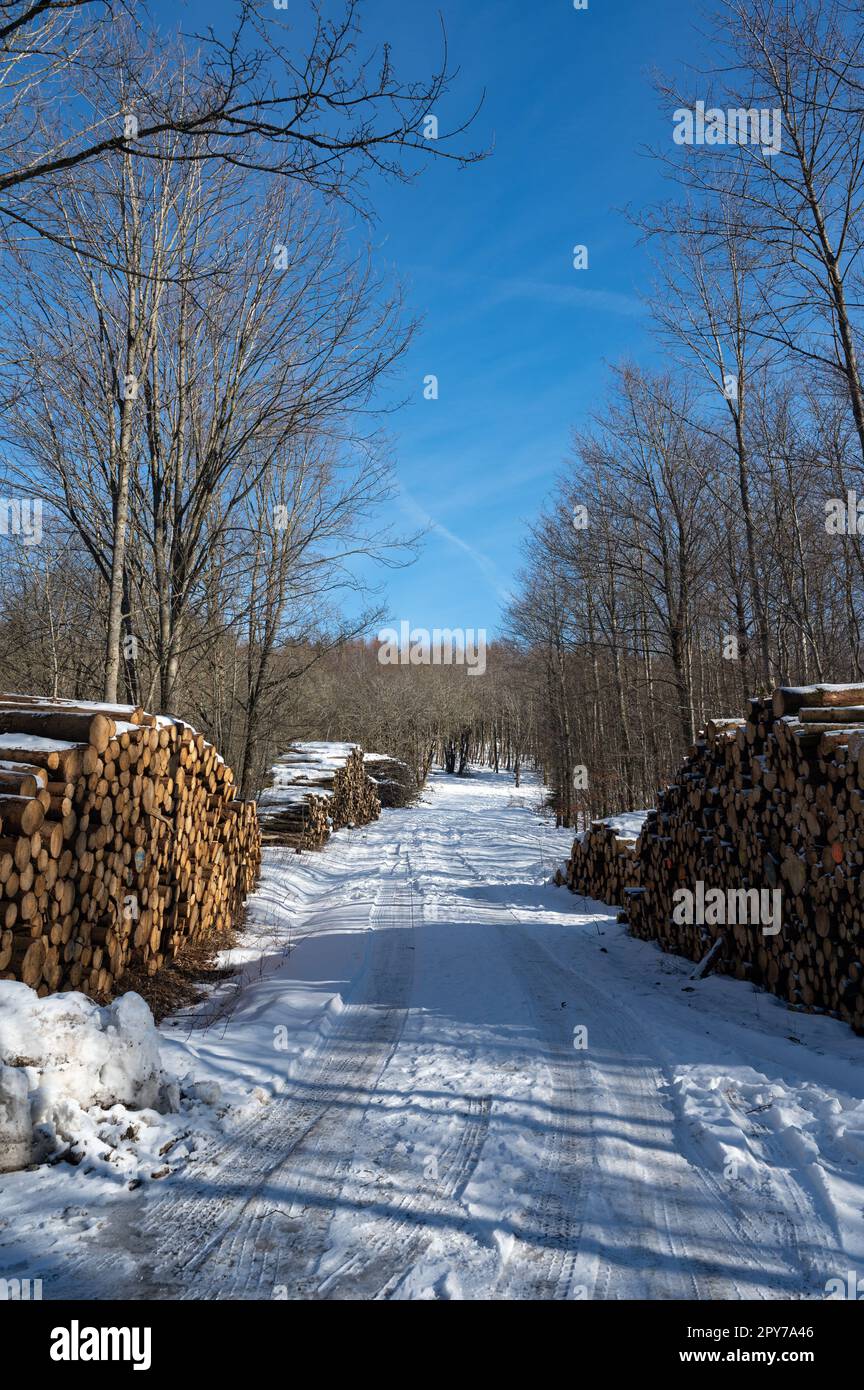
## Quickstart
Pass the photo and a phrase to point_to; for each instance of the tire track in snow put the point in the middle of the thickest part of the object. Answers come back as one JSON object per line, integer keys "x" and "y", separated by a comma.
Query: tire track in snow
{"x": 546, "y": 1236}
{"x": 570, "y": 1149}
{"x": 388, "y": 1253}
{"x": 688, "y": 1273}
{"x": 198, "y": 1239}
{"x": 272, "y": 1241}
{"x": 281, "y": 1245}
{"x": 387, "y": 1250}
{"x": 782, "y": 1257}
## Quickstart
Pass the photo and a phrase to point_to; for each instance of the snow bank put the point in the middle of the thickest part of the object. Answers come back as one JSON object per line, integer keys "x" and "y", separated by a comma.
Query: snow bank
{"x": 16, "y": 1136}
{"x": 74, "y": 1050}
{"x": 86, "y": 1082}
{"x": 801, "y": 1133}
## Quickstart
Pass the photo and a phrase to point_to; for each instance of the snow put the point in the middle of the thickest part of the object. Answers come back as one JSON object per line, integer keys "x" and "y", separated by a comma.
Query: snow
{"x": 627, "y": 826}
{"x": 77, "y": 1079}
{"x": 16, "y": 1130}
{"x": 50, "y": 702}
{"x": 330, "y": 754}
{"x": 295, "y": 777}
{"x": 817, "y": 689}
{"x": 311, "y": 762}
{"x": 34, "y": 743}
{"x": 8, "y": 766}
{"x": 295, "y": 774}
{"x": 281, "y": 794}
{"x": 75, "y": 1050}
{"x": 307, "y": 769}
{"x": 439, "y": 1076}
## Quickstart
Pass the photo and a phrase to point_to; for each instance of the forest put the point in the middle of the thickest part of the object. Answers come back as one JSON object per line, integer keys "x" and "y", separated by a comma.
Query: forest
{"x": 432, "y": 667}
{"x": 189, "y": 360}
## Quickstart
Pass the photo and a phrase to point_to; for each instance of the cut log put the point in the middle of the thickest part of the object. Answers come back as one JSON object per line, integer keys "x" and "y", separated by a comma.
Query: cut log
{"x": 131, "y": 845}
{"x": 789, "y": 699}
{"x": 21, "y": 813}
{"x": 772, "y": 815}
{"x": 95, "y": 729}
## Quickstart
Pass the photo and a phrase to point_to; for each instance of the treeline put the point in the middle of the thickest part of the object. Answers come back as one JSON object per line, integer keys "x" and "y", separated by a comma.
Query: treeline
{"x": 426, "y": 715}
{"x": 703, "y": 543}
{"x": 192, "y": 346}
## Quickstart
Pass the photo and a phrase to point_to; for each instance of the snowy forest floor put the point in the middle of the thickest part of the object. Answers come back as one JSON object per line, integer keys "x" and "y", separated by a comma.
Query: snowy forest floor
{"x": 442, "y": 1077}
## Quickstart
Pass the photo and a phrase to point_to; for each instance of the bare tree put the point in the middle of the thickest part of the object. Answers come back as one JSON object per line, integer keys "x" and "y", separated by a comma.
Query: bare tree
{"x": 243, "y": 94}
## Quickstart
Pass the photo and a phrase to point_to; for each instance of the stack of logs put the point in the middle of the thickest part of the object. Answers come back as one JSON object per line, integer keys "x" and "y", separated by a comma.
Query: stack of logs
{"x": 603, "y": 863}
{"x": 393, "y": 780}
{"x": 120, "y": 841}
{"x": 316, "y": 788}
{"x": 773, "y": 801}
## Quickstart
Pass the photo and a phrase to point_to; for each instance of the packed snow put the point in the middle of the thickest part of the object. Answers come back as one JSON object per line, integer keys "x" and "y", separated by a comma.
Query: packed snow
{"x": 434, "y": 1075}
{"x": 85, "y": 1085}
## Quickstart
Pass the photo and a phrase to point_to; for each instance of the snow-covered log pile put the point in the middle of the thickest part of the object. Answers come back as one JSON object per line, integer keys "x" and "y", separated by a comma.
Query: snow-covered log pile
{"x": 603, "y": 862}
{"x": 120, "y": 840}
{"x": 393, "y": 780}
{"x": 773, "y": 803}
{"x": 316, "y": 788}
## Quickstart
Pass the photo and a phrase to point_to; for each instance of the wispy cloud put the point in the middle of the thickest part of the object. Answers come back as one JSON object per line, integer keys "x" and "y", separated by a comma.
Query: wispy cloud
{"x": 480, "y": 291}
{"x": 548, "y": 292}
{"x": 486, "y": 566}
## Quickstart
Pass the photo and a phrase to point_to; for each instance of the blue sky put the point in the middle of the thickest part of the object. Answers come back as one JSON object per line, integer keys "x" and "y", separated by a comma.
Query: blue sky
{"x": 519, "y": 340}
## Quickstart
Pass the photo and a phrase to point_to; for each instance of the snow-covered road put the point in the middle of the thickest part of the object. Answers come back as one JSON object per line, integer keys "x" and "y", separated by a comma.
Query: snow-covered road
{"x": 462, "y": 1082}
